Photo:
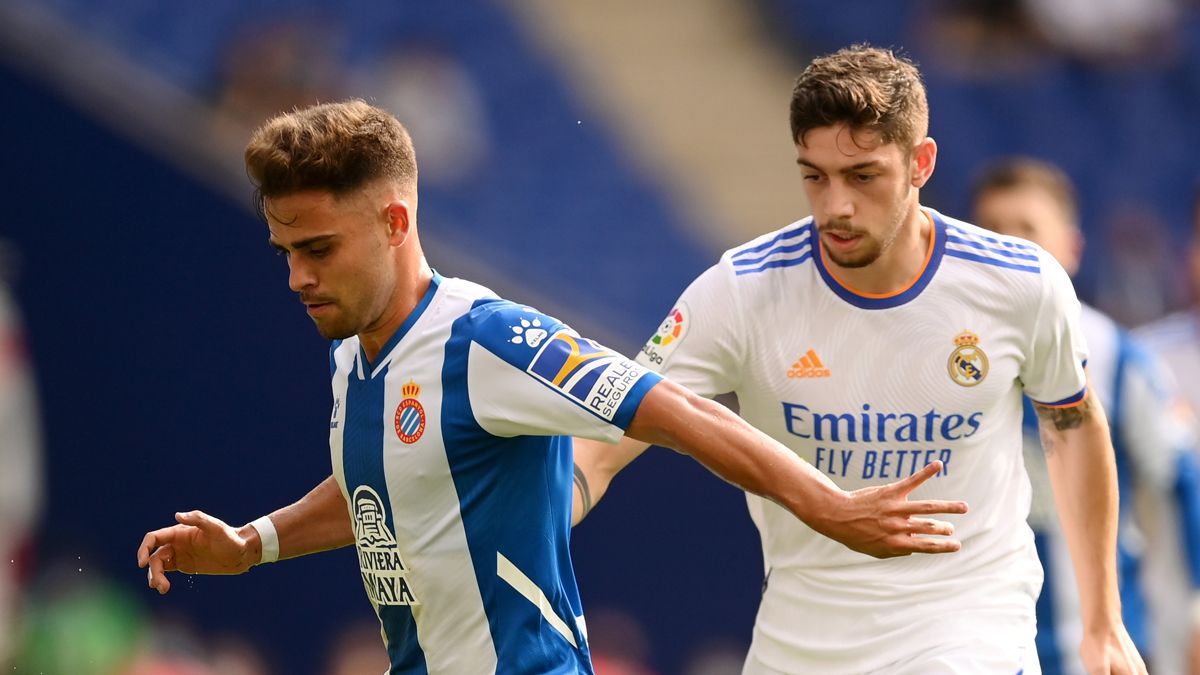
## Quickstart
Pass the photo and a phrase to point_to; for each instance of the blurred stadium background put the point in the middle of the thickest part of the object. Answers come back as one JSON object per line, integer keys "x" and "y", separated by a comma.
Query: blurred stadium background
{"x": 590, "y": 158}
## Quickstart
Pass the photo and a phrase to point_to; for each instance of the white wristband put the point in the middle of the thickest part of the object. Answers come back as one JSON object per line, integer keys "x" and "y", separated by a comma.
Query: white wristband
{"x": 269, "y": 538}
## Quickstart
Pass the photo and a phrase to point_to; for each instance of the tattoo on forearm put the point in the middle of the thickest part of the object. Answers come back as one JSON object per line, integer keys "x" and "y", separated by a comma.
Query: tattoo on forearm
{"x": 1062, "y": 419}
{"x": 584, "y": 493}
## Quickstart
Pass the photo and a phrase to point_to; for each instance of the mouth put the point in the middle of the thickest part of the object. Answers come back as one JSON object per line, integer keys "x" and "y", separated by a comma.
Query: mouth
{"x": 315, "y": 308}
{"x": 840, "y": 239}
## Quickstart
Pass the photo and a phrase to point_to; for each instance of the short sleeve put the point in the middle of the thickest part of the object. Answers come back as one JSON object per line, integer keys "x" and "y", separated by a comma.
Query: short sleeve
{"x": 530, "y": 374}
{"x": 696, "y": 344}
{"x": 1052, "y": 372}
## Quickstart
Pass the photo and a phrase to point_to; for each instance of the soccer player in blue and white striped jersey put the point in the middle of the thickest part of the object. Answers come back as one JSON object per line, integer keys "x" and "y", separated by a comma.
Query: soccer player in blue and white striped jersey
{"x": 1153, "y": 436}
{"x": 451, "y": 423}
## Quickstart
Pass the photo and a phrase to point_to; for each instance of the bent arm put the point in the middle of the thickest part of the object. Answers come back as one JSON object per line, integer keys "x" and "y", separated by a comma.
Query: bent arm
{"x": 202, "y": 544}
{"x": 877, "y": 521}
{"x": 318, "y": 522}
{"x": 1083, "y": 478}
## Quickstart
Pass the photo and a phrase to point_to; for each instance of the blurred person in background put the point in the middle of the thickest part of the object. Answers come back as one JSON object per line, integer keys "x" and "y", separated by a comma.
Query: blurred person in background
{"x": 1153, "y": 436}
{"x": 20, "y": 459}
{"x": 869, "y": 338}
{"x": 1176, "y": 340}
{"x": 450, "y": 428}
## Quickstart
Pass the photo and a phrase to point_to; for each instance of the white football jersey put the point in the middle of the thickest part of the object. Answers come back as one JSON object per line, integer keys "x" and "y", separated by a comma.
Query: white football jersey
{"x": 869, "y": 388}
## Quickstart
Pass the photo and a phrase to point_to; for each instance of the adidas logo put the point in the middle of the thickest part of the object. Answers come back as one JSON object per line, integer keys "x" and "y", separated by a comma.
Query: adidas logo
{"x": 809, "y": 365}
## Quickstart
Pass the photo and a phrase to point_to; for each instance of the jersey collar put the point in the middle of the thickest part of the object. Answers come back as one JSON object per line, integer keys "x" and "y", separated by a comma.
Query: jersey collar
{"x": 401, "y": 331}
{"x": 862, "y": 300}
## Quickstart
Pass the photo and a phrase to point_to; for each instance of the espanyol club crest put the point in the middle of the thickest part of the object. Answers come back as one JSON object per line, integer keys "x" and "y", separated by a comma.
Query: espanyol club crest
{"x": 968, "y": 364}
{"x": 410, "y": 416}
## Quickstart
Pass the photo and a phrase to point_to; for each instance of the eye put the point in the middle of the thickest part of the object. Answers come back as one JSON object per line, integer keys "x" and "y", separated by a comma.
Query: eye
{"x": 812, "y": 177}
{"x": 319, "y": 252}
{"x": 864, "y": 177}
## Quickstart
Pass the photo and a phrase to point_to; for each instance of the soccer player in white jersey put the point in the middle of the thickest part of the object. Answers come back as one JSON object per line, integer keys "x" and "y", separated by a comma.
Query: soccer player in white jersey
{"x": 873, "y": 338}
{"x": 1158, "y": 530}
{"x": 451, "y": 424}
{"x": 1175, "y": 339}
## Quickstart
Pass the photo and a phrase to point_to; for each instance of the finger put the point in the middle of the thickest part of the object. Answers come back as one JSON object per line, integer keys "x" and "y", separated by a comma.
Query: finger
{"x": 201, "y": 520}
{"x": 155, "y": 577}
{"x": 915, "y": 544}
{"x": 912, "y": 482}
{"x": 930, "y": 506}
{"x": 170, "y": 562}
{"x": 152, "y": 541}
{"x": 929, "y": 526}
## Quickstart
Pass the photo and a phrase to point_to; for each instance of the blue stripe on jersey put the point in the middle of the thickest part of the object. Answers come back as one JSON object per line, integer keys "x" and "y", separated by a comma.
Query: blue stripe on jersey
{"x": 782, "y": 236}
{"x": 1046, "y": 640}
{"x": 789, "y": 262}
{"x": 333, "y": 347}
{"x": 993, "y": 240}
{"x": 1187, "y": 494}
{"x": 790, "y": 248}
{"x": 1008, "y": 253}
{"x": 515, "y": 497}
{"x": 965, "y": 255}
{"x": 362, "y": 463}
{"x": 1076, "y": 398}
{"x": 863, "y": 302}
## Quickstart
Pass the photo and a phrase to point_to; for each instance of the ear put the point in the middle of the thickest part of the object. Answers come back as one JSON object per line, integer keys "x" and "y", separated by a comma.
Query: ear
{"x": 924, "y": 158}
{"x": 399, "y": 222}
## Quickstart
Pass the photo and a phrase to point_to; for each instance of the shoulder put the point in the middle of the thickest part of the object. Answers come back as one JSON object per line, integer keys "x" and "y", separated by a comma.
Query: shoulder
{"x": 789, "y": 246}
{"x": 976, "y": 246}
{"x": 1171, "y": 331}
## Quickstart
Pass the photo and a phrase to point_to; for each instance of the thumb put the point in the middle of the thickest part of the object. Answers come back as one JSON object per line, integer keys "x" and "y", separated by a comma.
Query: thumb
{"x": 199, "y": 519}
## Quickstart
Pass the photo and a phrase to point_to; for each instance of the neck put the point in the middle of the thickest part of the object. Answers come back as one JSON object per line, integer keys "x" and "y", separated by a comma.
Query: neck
{"x": 897, "y": 267}
{"x": 411, "y": 285}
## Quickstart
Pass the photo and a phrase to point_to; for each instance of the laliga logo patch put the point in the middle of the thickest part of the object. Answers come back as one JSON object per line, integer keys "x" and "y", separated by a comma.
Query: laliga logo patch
{"x": 968, "y": 364}
{"x": 410, "y": 416}
{"x": 529, "y": 333}
{"x": 670, "y": 332}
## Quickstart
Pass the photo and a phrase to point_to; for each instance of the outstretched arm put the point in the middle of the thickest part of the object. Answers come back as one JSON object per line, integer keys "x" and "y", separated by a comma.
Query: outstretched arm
{"x": 202, "y": 544}
{"x": 879, "y": 521}
{"x": 1083, "y": 477}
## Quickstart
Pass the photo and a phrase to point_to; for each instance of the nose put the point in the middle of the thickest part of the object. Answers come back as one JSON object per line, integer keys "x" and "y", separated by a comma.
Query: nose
{"x": 839, "y": 201}
{"x": 300, "y": 276}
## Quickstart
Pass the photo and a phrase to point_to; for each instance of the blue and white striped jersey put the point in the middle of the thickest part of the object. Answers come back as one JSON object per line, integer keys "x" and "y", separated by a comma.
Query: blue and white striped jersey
{"x": 1154, "y": 440}
{"x": 452, "y": 450}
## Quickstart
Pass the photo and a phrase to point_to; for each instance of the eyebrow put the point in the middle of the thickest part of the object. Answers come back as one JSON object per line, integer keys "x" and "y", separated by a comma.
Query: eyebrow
{"x": 303, "y": 243}
{"x": 850, "y": 169}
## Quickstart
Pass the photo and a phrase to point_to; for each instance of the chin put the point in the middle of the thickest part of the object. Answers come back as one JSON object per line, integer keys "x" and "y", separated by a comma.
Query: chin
{"x": 335, "y": 332}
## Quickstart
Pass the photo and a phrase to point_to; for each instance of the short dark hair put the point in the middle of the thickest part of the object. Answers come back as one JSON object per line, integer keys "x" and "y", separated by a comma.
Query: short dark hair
{"x": 1015, "y": 172}
{"x": 338, "y": 147}
{"x": 865, "y": 87}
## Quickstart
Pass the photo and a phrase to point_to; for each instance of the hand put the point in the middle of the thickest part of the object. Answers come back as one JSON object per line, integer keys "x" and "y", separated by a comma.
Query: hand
{"x": 882, "y": 522}
{"x": 199, "y": 544}
{"x": 1112, "y": 652}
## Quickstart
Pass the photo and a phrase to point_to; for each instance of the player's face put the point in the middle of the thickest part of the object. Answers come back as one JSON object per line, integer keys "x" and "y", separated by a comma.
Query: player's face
{"x": 337, "y": 254}
{"x": 861, "y": 191}
{"x": 1031, "y": 213}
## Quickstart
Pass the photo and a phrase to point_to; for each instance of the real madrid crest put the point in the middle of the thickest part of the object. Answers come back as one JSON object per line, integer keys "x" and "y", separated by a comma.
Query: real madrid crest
{"x": 410, "y": 416}
{"x": 968, "y": 364}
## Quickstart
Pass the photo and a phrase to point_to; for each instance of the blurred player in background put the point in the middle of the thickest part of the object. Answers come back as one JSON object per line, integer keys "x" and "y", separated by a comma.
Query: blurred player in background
{"x": 1153, "y": 436}
{"x": 451, "y": 423}
{"x": 20, "y": 464}
{"x": 1176, "y": 340}
{"x": 872, "y": 338}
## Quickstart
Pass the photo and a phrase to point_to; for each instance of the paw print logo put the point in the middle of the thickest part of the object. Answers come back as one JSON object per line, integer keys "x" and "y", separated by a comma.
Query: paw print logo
{"x": 529, "y": 332}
